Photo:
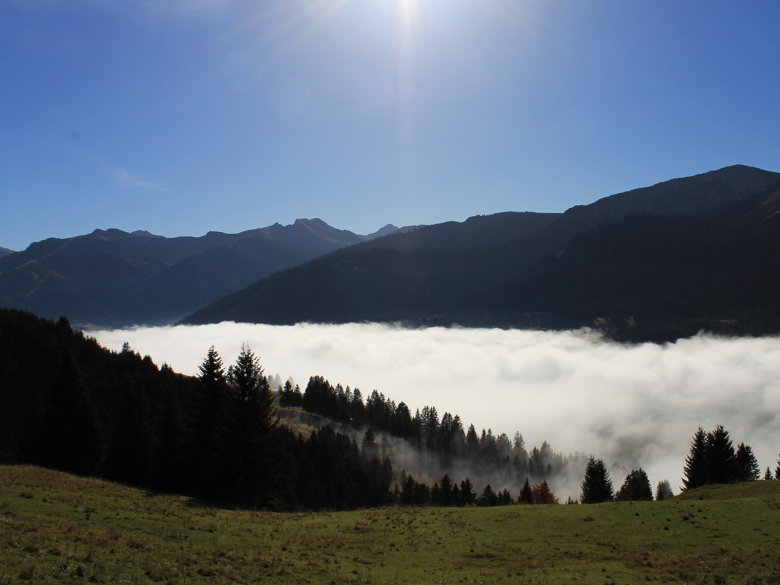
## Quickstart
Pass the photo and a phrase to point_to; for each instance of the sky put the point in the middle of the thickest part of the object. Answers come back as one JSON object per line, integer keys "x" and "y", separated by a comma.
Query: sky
{"x": 631, "y": 405}
{"x": 185, "y": 116}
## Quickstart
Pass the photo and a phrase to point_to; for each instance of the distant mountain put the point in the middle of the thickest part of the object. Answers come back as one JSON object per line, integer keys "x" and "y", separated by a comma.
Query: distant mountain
{"x": 527, "y": 280}
{"x": 5, "y": 251}
{"x": 654, "y": 277}
{"x": 114, "y": 278}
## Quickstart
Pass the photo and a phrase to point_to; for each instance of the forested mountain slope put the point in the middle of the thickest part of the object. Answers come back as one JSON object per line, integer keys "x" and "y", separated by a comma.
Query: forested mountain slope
{"x": 517, "y": 282}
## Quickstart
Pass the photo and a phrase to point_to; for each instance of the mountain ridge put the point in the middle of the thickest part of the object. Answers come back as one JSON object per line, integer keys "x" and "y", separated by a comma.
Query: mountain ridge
{"x": 116, "y": 278}
{"x": 427, "y": 286}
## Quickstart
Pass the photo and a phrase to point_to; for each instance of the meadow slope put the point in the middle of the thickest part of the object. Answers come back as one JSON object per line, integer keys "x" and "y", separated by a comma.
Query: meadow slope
{"x": 60, "y": 528}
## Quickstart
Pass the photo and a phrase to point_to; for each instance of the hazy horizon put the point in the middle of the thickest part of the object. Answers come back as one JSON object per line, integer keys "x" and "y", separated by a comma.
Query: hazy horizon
{"x": 632, "y": 405}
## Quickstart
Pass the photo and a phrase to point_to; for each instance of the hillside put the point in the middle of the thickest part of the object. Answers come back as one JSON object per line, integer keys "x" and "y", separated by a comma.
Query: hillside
{"x": 60, "y": 528}
{"x": 525, "y": 280}
{"x": 115, "y": 278}
{"x": 5, "y": 251}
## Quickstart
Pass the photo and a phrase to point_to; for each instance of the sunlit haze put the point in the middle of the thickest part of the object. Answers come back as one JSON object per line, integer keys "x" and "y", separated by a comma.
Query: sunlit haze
{"x": 186, "y": 116}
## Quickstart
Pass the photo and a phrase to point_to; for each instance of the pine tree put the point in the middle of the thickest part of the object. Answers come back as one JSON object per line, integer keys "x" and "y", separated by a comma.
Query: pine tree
{"x": 768, "y": 474}
{"x": 695, "y": 470}
{"x": 720, "y": 460}
{"x": 635, "y": 487}
{"x": 466, "y": 495}
{"x": 597, "y": 486}
{"x": 488, "y": 497}
{"x": 212, "y": 421}
{"x": 777, "y": 469}
{"x": 526, "y": 494}
{"x": 747, "y": 464}
{"x": 663, "y": 491}
{"x": 250, "y": 454}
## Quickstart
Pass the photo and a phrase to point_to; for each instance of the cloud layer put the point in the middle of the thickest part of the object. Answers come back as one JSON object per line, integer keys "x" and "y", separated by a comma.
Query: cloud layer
{"x": 631, "y": 405}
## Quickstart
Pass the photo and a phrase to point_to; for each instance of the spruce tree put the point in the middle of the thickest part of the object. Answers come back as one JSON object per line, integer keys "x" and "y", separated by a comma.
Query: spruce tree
{"x": 526, "y": 494}
{"x": 250, "y": 453}
{"x": 777, "y": 469}
{"x": 720, "y": 460}
{"x": 635, "y": 487}
{"x": 695, "y": 463}
{"x": 747, "y": 464}
{"x": 768, "y": 474}
{"x": 597, "y": 486}
{"x": 212, "y": 421}
{"x": 466, "y": 495}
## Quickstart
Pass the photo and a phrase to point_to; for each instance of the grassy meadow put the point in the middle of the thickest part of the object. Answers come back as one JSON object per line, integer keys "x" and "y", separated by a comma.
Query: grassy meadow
{"x": 60, "y": 528}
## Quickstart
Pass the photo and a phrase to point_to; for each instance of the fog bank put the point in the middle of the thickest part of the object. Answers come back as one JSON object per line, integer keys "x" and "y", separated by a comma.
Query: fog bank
{"x": 630, "y": 405}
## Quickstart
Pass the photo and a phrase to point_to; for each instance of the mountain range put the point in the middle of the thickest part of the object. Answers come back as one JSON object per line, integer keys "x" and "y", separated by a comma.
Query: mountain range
{"x": 5, "y": 251}
{"x": 115, "y": 278}
{"x": 652, "y": 263}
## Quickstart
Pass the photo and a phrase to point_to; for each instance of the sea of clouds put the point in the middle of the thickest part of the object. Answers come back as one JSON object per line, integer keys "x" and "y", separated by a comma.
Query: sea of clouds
{"x": 632, "y": 405}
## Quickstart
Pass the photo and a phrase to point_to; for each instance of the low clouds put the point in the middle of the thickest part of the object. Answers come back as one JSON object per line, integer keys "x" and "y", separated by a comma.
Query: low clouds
{"x": 631, "y": 405}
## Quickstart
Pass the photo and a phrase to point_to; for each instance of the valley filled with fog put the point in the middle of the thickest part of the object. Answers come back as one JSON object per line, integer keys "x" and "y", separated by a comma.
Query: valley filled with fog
{"x": 632, "y": 405}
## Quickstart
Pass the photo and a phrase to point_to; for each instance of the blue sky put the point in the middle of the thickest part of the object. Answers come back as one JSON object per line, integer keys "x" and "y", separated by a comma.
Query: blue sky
{"x": 189, "y": 115}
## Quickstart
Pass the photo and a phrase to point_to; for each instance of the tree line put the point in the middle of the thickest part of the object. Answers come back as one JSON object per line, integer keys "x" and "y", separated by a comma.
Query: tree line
{"x": 438, "y": 445}
{"x": 69, "y": 404}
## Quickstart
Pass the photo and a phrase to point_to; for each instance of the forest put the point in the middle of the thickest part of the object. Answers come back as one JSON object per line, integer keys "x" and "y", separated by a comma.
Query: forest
{"x": 66, "y": 403}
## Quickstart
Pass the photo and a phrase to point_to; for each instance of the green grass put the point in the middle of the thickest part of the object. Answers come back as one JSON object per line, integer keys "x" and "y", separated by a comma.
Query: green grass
{"x": 58, "y": 528}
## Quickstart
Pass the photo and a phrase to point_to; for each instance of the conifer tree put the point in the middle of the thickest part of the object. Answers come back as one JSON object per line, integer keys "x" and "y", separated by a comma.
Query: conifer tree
{"x": 466, "y": 494}
{"x": 250, "y": 454}
{"x": 747, "y": 464}
{"x": 488, "y": 497}
{"x": 663, "y": 491}
{"x": 526, "y": 494}
{"x": 777, "y": 469}
{"x": 635, "y": 487}
{"x": 212, "y": 421}
{"x": 695, "y": 463}
{"x": 720, "y": 460}
{"x": 597, "y": 486}
{"x": 768, "y": 474}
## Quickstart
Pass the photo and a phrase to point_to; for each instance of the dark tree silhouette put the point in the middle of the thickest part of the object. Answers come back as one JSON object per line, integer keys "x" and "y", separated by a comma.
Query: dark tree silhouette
{"x": 214, "y": 409}
{"x": 466, "y": 495}
{"x": 635, "y": 487}
{"x": 526, "y": 494}
{"x": 720, "y": 460}
{"x": 70, "y": 436}
{"x": 747, "y": 464}
{"x": 488, "y": 497}
{"x": 597, "y": 486}
{"x": 249, "y": 452}
{"x": 695, "y": 463}
{"x": 768, "y": 474}
{"x": 777, "y": 469}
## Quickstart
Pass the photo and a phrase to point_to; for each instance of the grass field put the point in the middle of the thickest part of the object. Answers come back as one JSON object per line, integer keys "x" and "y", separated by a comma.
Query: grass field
{"x": 58, "y": 528}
